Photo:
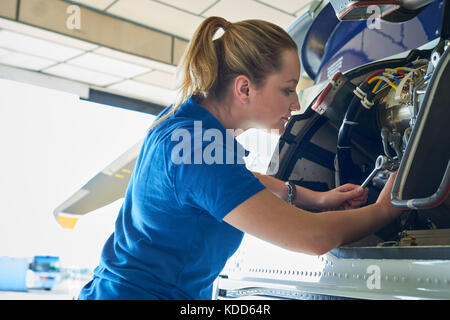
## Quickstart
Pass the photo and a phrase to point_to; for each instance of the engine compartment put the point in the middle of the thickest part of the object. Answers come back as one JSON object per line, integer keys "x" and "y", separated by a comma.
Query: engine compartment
{"x": 367, "y": 112}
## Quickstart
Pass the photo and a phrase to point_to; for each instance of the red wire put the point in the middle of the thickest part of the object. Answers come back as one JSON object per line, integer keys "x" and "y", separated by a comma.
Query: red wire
{"x": 374, "y": 74}
{"x": 381, "y": 71}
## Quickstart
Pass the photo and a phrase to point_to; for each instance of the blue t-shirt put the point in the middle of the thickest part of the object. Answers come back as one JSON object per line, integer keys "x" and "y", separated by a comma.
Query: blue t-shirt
{"x": 170, "y": 241}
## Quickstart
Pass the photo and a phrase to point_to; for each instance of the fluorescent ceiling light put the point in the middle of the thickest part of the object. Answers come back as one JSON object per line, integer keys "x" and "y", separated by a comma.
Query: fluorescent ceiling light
{"x": 158, "y": 78}
{"x": 136, "y": 59}
{"x": 194, "y": 6}
{"x": 159, "y": 16}
{"x": 249, "y": 9}
{"x": 83, "y": 75}
{"x": 108, "y": 65}
{"x": 289, "y": 6}
{"x": 144, "y": 91}
{"x": 23, "y": 60}
{"x": 36, "y": 47}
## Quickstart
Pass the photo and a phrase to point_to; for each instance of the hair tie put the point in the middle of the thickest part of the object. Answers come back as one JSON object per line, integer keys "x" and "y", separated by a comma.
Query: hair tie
{"x": 227, "y": 25}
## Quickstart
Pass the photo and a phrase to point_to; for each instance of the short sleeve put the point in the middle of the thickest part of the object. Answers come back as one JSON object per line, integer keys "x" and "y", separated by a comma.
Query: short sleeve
{"x": 215, "y": 186}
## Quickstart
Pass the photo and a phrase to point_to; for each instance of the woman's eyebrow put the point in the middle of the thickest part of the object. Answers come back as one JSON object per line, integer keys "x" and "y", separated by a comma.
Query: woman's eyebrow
{"x": 295, "y": 81}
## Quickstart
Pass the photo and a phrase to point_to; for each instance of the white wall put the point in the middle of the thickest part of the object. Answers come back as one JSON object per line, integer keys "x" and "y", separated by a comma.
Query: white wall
{"x": 51, "y": 144}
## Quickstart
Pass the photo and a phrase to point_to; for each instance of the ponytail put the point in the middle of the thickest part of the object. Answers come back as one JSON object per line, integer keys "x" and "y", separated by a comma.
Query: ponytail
{"x": 251, "y": 47}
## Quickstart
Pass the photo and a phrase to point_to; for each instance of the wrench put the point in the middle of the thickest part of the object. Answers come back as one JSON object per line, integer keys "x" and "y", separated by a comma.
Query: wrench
{"x": 381, "y": 163}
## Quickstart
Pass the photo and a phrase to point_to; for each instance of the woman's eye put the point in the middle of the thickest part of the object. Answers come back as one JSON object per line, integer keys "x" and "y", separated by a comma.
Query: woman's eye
{"x": 288, "y": 91}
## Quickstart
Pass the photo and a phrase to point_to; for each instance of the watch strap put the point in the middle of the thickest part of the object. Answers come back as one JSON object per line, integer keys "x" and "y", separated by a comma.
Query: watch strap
{"x": 292, "y": 191}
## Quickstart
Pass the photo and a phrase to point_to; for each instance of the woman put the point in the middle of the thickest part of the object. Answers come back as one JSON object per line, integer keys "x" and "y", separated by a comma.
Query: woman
{"x": 190, "y": 197}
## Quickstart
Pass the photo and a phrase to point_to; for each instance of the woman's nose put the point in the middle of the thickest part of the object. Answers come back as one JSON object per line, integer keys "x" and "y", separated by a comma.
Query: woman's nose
{"x": 295, "y": 105}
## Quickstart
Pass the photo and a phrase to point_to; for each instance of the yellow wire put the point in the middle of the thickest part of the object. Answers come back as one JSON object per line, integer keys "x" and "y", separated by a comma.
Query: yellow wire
{"x": 377, "y": 85}
{"x": 403, "y": 68}
{"x": 391, "y": 84}
{"x": 382, "y": 78}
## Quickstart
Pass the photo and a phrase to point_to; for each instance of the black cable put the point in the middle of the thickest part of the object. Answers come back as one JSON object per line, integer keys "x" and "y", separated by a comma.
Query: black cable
{"x": 344, "y": 163}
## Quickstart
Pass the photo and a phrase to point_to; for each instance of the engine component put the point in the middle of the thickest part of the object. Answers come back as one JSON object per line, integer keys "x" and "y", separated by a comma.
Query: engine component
{"x": 370, "y": 111}
{"x": 398, "y": 107}
{"x": 382, "y": 162}
{"x": 429, "y": 148}
{"x": 424, "y": 237}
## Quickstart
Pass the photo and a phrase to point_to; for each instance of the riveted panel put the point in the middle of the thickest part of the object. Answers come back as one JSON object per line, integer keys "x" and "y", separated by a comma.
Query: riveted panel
{"x": 8, "y": 8}
{"x": 105, "y": 30}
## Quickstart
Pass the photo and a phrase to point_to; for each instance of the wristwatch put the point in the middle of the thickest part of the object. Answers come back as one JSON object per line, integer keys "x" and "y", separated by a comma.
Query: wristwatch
{"x": 292, "y": 191}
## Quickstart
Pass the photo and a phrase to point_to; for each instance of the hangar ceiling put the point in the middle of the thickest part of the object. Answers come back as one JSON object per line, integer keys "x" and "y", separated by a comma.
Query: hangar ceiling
{"x": 181, "y": 17}
{"x": 128, "y": 48}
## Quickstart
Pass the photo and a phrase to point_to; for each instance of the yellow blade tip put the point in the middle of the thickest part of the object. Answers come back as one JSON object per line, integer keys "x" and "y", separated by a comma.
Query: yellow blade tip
{"x": 67, "y": 222}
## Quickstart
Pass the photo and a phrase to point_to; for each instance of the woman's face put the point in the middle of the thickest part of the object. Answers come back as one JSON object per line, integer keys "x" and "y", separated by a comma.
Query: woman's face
{"x": 273, "y": 102}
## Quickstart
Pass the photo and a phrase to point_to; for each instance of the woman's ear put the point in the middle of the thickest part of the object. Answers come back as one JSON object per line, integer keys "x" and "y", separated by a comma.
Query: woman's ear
{"x": 242, "y": 88}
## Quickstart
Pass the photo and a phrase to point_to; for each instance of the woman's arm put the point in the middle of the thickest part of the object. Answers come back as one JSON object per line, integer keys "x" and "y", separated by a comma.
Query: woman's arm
{"x": 306, "y": 199}
{"x": 271, "y": 219}
{"x": 347, "y": 196}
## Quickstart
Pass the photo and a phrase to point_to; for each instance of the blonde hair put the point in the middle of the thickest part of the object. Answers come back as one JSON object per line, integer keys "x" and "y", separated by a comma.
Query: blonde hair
{"x": 251, "y": 47}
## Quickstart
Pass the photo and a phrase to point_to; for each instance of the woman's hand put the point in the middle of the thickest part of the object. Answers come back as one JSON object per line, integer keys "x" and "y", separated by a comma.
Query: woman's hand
{"x": 384, "y": 198}
{"x": 347, "y": 196}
